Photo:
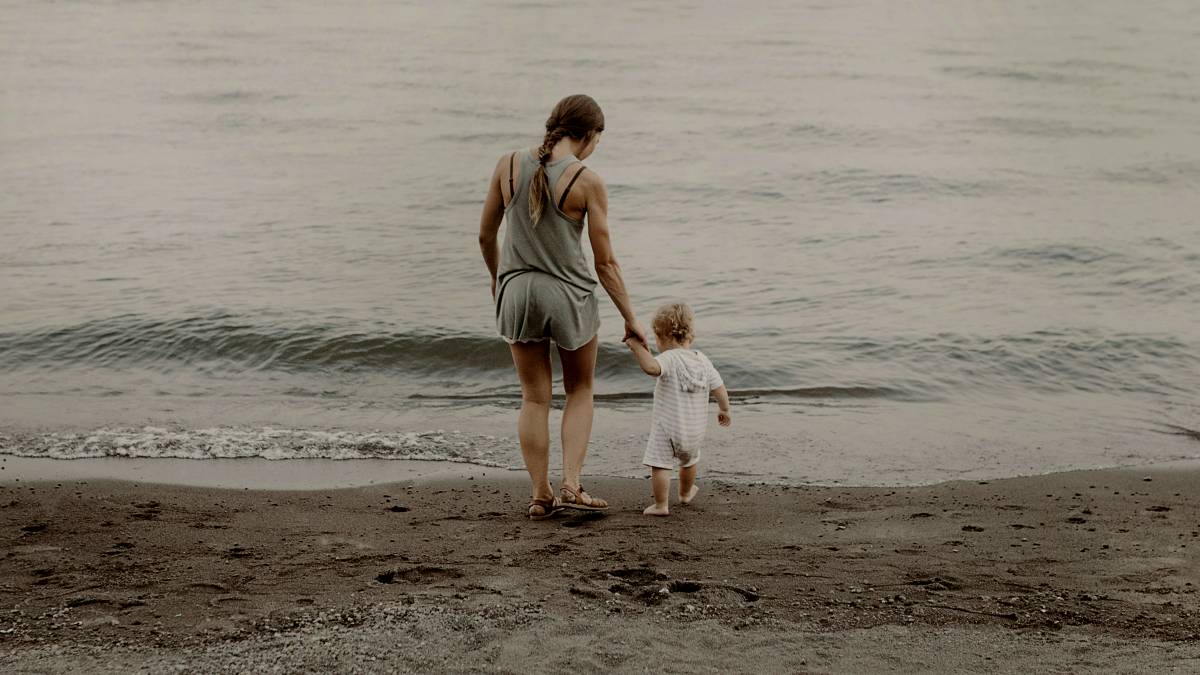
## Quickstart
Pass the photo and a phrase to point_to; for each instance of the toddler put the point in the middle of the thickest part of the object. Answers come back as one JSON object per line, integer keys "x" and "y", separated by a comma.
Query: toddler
{"x": 685, "y": 378}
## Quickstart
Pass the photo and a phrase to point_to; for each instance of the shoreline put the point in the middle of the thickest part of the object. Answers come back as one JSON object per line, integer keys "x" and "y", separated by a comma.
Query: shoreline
{"x": 242, "y": 473}
{"x": 258, "y": 473}
{"x": 859, "y": 443}
{"x": 1088, "y": 570}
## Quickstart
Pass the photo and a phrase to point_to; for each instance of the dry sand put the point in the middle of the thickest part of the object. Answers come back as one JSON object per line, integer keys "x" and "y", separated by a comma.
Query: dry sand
{"x": 1086, "y": 571}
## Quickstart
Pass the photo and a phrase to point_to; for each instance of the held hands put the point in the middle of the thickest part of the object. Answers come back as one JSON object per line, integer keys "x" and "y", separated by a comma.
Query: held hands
{"x": 635, "y": 339}
{"x": 634, "y": 330}
{"x": 724, "y": 418}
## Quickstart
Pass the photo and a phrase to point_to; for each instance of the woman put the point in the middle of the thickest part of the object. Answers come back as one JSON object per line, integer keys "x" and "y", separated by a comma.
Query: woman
{"x": 544, "y": 291}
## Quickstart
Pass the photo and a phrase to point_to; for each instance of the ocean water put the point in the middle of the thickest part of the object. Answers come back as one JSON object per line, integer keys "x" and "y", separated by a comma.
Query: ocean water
{"x": 923, "y": 240}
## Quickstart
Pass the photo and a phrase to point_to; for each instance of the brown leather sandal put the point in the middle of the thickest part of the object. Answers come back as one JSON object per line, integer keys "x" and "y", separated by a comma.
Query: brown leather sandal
{"x": 548, "y": 508}
{"x": 581, "y": 500}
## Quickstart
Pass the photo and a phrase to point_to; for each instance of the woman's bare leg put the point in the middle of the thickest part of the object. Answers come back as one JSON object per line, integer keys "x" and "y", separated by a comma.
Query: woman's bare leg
{"x": 532, "y": 360}
{"x": 579, "y": 370}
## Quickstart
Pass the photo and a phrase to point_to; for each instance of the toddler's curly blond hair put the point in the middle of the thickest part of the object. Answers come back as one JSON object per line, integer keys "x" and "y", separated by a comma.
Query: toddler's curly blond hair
{"x": 675, "y": 321}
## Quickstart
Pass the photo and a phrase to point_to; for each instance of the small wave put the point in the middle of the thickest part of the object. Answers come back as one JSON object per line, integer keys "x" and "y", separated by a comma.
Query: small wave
{"x": 1055, "y": 254}
{"x": 1177, "y": 430}
{"x": 830, "y": 392}
{"x": 231, "y": 343}
{"x": 1165, "y": 173}
{"x": 1048, "y": 128}
{"x": 486, "y": 138}
{"x": 233, "y": 96}
{"x": 1100, "y": 271}
{"x": 489, "y": 113}
{"x": 1040, "y": 361}
{"x": 870, "y": 186}
{"x": 202, "y": 60}
{"x": 267, "y": 443}
{"x": 823, "y": 392}
{"x": 1097, "y": 65}
{"x": 1019, "y": 74}
{"x": 246, "y": 344}
{"x": 479, "y": 367}
{"x": 768, "y": 133}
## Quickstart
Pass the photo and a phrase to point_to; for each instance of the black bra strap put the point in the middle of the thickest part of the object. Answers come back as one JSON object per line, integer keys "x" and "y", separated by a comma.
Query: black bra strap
{"x": 563, "y": 199}
{"x": 512, "y": 192}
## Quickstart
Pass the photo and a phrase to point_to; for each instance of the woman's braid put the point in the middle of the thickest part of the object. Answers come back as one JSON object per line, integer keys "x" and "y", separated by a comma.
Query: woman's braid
{"x": 539, "y": 187}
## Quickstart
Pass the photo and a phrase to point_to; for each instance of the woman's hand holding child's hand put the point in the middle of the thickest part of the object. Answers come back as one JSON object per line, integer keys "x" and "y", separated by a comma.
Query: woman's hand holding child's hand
{"x": 634, "y": 330}
{"x": 636, "y": 341}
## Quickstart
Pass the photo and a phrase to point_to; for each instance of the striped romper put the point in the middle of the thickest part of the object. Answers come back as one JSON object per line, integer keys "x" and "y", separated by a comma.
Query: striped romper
{"x": 680, "y": 408}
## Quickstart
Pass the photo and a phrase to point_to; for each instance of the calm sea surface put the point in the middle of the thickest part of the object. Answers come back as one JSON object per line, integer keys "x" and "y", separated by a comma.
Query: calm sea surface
{"x": 923, "y": 240}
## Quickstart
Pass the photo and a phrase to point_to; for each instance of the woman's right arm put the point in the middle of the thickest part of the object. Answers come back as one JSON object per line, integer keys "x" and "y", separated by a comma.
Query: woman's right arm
{"x": 608, "y": 271}
{"x": 489, "y": 224}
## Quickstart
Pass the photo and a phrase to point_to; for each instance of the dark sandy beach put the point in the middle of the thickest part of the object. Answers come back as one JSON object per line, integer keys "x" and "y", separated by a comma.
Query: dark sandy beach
{"x": 1061, "y": 573}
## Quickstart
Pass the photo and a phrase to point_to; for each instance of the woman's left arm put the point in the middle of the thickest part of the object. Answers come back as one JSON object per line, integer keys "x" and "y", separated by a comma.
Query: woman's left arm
{"x": 489, "y": 224}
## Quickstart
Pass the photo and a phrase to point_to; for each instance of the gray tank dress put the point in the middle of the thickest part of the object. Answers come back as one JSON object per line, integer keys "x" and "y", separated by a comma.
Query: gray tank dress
{"x": 544, "y": 288}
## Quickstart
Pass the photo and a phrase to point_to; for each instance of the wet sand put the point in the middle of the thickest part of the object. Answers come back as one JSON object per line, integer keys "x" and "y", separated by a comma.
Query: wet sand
{"x": 1069, "y": 572}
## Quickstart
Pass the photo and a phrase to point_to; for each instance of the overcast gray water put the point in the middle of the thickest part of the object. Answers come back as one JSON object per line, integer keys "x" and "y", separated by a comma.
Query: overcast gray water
{"x": 923, "y": 240}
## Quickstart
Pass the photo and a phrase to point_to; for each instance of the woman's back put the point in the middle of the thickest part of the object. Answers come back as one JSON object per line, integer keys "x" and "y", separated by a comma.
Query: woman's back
{"x": 550, "y": 246}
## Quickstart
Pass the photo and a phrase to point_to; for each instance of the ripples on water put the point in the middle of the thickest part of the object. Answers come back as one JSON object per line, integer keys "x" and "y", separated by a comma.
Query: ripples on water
{"x": 983, "y": 206}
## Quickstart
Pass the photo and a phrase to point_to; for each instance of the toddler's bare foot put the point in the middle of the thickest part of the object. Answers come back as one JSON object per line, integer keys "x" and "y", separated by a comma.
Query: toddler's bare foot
{"x": 687, "y": 499}
{"x": 656, "y": 510}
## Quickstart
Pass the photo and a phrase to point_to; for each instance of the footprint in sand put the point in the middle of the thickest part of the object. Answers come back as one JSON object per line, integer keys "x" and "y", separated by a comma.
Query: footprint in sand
{"x": 653, "y": 587}
{"x": 583, "y": 518}
{"x": 938, "y": 583}
{"x": 148, "y": 514}
{"x": 422, "y": 574}
{"x": 637, "y": 575}
{"x": 119, "y": 548}
{"x": 238, "y": 551}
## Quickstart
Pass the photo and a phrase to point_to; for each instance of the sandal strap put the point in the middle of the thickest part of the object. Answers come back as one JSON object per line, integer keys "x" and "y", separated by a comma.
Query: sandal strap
{"x": 576, "y": 496}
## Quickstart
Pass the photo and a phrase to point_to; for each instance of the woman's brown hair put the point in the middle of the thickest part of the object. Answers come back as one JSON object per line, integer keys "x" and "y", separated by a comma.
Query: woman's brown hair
{"x": 577, "y": 116}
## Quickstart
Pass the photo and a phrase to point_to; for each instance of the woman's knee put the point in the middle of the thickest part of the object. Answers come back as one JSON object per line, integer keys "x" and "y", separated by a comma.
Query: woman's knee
{"x": 536, "y": 398}
{"x": 578, "y": 390}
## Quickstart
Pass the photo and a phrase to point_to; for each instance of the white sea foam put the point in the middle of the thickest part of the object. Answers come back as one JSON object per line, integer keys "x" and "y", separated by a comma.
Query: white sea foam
{"x": 265, "y": 442}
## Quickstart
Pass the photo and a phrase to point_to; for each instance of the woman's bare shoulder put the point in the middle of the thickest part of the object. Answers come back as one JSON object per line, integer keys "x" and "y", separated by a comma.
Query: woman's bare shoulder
{"x": 591, "y": 181}
{"x": 502, "y": 164}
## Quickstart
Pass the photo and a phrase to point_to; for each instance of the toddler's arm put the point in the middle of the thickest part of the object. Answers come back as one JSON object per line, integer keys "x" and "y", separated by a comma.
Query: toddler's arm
{"x": 644, "y": 358}
{"x": 724, "y": 418}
